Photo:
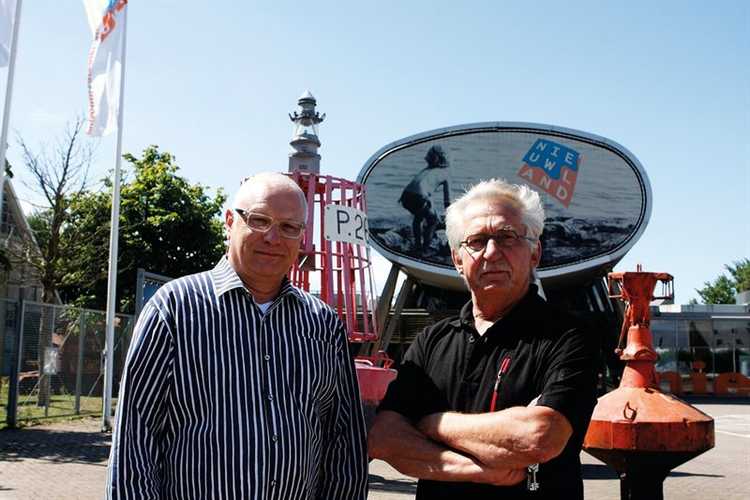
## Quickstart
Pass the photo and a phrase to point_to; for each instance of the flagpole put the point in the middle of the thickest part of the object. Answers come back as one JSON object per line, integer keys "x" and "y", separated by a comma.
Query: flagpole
{"x": 8, "y": 95}
{"x": 113, "y": 237}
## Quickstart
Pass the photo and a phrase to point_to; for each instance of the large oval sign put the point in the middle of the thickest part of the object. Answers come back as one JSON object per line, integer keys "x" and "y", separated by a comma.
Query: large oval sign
{"x": 596, "y": 195}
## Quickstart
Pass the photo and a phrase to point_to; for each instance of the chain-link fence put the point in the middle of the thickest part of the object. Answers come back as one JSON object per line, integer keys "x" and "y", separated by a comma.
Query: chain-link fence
{"x": 54, "y": 356}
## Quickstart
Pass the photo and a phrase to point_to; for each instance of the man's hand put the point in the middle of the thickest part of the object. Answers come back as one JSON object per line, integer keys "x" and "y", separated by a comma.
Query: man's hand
{"x": 515, "y": 437}
{"x": 504, "y": 477}
{"x": 393, "y": 439}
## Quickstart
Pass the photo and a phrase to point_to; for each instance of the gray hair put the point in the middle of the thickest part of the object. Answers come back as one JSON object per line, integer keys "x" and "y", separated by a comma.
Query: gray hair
{"x": 526, "y": 199}
{"x": 270, "y": 178}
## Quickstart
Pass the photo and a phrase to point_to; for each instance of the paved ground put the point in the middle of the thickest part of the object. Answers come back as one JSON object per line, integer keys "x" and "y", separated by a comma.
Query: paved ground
{"x": 68, "y": 461}
{"x": 60, "y": 461}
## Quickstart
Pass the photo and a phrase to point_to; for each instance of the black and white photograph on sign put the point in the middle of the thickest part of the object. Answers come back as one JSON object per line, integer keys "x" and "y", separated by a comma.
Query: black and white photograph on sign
{"x": 407, "y": 188}
{"x": 423, "y": 196}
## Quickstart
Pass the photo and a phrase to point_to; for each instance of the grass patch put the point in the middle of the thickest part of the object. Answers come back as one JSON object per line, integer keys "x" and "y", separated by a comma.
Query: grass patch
{"x": 61, "y": 406}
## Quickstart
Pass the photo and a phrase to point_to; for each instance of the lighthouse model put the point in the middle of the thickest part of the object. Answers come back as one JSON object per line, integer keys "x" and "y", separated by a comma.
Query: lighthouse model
{"x": 305, "y": 143}
{"x": 334, "y": 258}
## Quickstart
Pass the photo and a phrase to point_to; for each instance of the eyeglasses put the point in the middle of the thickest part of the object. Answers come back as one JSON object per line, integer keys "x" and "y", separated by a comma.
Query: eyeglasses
{"x": 503, "y": 239}
{"x": 263, "y": 223}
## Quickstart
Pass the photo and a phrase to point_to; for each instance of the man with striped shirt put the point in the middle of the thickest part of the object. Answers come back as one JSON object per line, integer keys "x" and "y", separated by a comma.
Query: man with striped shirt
{"x": 237, "y": 384}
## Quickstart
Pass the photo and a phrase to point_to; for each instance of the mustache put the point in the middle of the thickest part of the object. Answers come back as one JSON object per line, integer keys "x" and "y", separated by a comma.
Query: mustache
{"x": 495, "y": 269}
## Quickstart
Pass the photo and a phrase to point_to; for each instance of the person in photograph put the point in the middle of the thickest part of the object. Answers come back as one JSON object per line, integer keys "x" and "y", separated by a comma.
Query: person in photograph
{"x": 417, "y": 197}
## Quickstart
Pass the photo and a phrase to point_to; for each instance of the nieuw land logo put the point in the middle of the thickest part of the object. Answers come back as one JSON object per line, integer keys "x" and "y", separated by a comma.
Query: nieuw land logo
{"x": 552, "y": 167}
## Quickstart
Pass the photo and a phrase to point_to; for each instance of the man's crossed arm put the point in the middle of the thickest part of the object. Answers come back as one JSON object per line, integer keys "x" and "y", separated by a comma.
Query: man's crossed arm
{"x": 490, "y": 448}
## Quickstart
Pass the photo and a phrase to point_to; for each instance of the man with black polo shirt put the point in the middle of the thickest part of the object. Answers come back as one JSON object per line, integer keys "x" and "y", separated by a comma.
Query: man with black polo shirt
{"x": 495, "y": 402}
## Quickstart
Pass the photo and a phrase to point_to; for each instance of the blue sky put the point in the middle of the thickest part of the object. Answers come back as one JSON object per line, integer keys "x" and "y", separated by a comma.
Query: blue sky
{"x": 212, "y": 83}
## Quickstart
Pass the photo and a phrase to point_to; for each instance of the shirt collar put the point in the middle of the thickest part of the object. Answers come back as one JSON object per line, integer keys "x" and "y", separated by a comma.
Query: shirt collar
{"x": 225, "y": 278}
{"x": 466, "y": 315}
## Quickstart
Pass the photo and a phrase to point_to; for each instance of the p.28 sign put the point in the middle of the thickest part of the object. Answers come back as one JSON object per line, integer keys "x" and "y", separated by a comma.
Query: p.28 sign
{"x": 345, "y": 224}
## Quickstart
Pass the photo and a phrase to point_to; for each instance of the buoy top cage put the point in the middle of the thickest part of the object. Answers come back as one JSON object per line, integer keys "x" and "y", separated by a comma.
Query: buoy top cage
{"x": 334, "y": 255}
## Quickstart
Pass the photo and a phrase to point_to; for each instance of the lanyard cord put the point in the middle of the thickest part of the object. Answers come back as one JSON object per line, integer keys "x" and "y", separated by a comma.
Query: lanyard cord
{"x": 502, "y": 371}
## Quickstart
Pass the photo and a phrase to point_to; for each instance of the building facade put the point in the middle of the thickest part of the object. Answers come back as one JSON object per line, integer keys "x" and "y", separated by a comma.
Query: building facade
{"x": 718, "y": 335}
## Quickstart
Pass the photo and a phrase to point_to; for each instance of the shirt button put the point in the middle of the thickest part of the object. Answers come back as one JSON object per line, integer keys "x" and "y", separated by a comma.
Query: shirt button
{"x": 471, "y": 340}
{"x": 274, "y": 438}
{"x": 270, "y": 397}
{"x": 267, "y": 357}
{"x": 273, "y": 483}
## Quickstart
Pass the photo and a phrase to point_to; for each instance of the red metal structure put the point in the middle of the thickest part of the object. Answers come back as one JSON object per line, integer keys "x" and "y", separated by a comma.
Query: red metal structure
{"x": 334, "y": 255}
{"x": 637, "y": 430}
{"x": 343, "y": 269}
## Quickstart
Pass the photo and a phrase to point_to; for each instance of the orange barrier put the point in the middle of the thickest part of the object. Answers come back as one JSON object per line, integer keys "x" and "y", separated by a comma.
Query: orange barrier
{"x": 698, "y": 378}
{"x": 700, "y": 383}
{"x": 732, "y": 383}
{"x": 674, "y": 379}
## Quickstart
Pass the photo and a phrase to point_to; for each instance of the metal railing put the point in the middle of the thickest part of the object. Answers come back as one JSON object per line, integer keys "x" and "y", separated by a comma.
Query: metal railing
{"x": 52, "y": 360}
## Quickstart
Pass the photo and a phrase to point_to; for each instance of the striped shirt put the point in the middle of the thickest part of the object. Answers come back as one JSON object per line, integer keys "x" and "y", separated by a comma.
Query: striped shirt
{"x": 219, "y": 400}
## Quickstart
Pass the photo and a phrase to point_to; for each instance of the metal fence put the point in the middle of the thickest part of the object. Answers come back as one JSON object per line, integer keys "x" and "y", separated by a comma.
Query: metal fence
{"x": 52, "y": 362}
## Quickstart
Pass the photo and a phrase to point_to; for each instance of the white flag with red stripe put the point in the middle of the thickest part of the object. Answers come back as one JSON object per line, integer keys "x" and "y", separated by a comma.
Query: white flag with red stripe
{"x": 107, "y": 22}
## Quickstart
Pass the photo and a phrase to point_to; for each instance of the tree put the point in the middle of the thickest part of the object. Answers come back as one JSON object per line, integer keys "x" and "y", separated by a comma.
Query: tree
{"x": 86, "y": 250}
{"x": 57, "y": 177}
{"x": 723, "y": 289}
{"x": 720, "y": 291}
{"x": 740, "y": 272}
{"x": 167, "y": 226}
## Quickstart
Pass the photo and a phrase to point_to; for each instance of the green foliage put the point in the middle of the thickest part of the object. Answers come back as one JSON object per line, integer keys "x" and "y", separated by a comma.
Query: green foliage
{"x": 41, "y": 224}
{"x": 85, "y": 246}
{"x": 167, "y": 226}
{"x": 740, "y": 272}
{"x": 720, "y": 291}
{"x": 723, "y": 289}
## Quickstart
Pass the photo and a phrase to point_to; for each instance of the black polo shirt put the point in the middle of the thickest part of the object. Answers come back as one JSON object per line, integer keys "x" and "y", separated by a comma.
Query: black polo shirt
{"x": 450, "y": 367}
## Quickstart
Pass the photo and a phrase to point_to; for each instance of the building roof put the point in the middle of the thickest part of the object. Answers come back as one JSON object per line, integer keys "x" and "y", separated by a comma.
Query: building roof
{"x": 306, "y": 96}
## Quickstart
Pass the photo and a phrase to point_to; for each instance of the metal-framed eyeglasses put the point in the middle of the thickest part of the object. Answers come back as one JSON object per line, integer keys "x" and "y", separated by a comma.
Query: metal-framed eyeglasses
{"x": 263, "y": 223}
{"x": 504, "y": 239}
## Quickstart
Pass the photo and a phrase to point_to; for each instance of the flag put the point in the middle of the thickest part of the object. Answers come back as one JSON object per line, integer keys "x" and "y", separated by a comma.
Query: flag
{"x": 7, "y": 14}
{"x": 107, "y": 21}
